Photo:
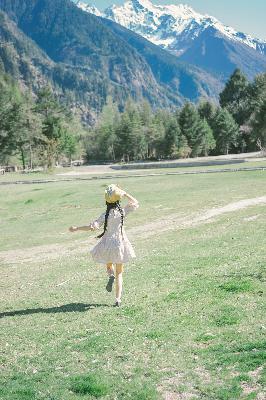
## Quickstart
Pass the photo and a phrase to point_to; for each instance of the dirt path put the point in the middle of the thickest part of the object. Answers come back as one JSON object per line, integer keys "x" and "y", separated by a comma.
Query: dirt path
{"x": 173, "y": 222}
{"x": 78, "y": 247}
{"x": 86, "y": 177}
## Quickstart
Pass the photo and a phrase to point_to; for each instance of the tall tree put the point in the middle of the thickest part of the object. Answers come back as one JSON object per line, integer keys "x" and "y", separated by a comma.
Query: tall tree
{"x": 184, "y": 150}
{"x": 189, "y": 121}
{"x": 226, "y": 131}
{"x": 19, "y": 127}
{"x": 235, "y": 96}
{"x": 154, "y": 135}
{"x": 257, "y": 92}
{"x": 172, "y": 136}
{"x": 53, "y": 116}
{"x": 207, "y": 109}
{"x": 67, "y": 144}
{"x": 208, "y": 142}
{"x": 123, "y": 133}
{"x": 9, "y": 96}
{"x": 259, "y": 126}
{"x": 106, "y": 130}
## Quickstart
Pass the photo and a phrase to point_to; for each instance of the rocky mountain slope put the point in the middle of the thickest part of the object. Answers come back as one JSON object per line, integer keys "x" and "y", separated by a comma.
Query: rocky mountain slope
{"x": 87, "y": 58}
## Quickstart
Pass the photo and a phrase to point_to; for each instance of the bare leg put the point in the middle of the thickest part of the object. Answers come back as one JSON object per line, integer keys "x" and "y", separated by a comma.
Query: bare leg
{"x": 110, "y": 269}
{"x": 110, "y": 272}
{"x": 118, "y": 282}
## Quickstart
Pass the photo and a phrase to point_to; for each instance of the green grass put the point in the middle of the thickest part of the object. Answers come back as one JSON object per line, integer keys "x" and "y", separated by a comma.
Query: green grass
{"x": 193, "y": 315}
{"x": 89, "y": 384}
{"x": 237, "y": 286}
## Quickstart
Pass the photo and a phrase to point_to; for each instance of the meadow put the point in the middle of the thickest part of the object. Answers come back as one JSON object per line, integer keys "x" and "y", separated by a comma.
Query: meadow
{"x": 192, "y": 324}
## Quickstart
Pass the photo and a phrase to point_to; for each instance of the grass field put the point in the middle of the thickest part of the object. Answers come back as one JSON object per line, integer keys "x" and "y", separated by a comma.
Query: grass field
{"x": 192, "y": 325}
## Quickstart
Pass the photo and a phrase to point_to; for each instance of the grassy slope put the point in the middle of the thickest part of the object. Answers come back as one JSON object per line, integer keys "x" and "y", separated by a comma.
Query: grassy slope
{"x": 193, "y": 320}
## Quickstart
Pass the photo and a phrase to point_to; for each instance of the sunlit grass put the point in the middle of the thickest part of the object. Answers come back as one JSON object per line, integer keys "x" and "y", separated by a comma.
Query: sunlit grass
{"x": 193, "y": 317}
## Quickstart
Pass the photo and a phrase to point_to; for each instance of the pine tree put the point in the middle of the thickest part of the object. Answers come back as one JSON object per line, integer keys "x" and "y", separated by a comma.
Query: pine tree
{"x": 257, "y": 92}
{"x": 226, "y": 131}
{"x": 67, "y": 144}
{"x": 171, "y": 139}
{"x": 19, "y": 126}
{"x": 106, "y": 130}
{"x": 27, "y": 130}
{"x": 138, "y": 141}
{"x": 154, "y": 136}
{"x": 235, "y": 97}
{"x": 259, "y": 126}
{"x": 123, "y": 133}
{"x": 207, "y": 110}
{"x": 207, "y": 139}
{"x": 131, "y": 134}
{"x": 184, "y": 150}
{"x": 190, "y": 124}
{"x": 54, "y": 116}
{"x": 146, "y": 113}
{"x": 257, "y": 106}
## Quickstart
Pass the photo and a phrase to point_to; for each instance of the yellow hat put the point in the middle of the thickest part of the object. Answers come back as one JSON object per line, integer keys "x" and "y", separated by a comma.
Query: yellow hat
{"x": 113, "y": 194}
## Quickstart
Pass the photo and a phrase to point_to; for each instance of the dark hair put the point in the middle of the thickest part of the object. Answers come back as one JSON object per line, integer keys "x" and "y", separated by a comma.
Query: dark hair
{"x": 111, "y": 206}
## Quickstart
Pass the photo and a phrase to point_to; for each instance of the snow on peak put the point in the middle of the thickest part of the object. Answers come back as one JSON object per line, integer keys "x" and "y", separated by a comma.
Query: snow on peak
{"x": 170, "y": 26}
{"x": 89, "y": 8}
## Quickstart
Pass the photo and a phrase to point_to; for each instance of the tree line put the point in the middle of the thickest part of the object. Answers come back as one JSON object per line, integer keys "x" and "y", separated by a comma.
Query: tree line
{"x": 237, "y": 124}
{"x": 42, "y": 131}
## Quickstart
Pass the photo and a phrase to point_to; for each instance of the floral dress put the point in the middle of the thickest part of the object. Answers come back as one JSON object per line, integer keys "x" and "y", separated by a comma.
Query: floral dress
{"x": 114, "y": 247}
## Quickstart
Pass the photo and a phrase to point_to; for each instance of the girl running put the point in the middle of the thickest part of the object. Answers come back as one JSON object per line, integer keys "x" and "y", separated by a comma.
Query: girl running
{"x": 114, "y": 249}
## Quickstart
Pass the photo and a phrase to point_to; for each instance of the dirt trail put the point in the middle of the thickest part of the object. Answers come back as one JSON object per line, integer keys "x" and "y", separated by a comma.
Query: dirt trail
{"x": 141, "y": 174}
{"x": 173, "y": 222}
{"x": 78, "y": 247}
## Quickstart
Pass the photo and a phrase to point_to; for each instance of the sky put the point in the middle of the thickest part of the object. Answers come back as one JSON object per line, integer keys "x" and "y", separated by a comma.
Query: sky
{"x": 248, "y": 16}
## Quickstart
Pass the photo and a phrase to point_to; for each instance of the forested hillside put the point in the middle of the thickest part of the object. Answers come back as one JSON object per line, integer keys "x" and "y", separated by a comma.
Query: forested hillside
{"x": 86, "y": 58}
{"x": 236, "y": 125}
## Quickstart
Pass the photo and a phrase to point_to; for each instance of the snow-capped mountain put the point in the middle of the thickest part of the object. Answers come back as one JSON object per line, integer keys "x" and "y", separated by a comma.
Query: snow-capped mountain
{"x": 173, "y": 27}
{"x": 88, "y": 8}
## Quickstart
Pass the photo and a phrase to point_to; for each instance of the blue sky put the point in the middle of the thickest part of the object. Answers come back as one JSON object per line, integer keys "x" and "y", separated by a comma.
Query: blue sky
{"x": 245, "y": 15}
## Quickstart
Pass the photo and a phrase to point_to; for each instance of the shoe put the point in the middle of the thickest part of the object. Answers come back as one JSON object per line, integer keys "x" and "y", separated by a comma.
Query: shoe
{"x": 109, "y": 286}
{"x": 117, "y": 304}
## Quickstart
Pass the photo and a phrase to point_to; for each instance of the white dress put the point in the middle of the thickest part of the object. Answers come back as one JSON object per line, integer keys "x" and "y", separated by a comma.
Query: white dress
{"x": 114, "y": 247}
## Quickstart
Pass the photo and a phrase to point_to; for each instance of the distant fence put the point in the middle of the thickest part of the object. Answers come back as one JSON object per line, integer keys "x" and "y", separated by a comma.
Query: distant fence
{"x": 176, "y": 164}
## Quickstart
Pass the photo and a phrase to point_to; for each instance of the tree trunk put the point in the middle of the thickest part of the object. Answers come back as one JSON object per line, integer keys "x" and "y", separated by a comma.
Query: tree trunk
{"x": 23, "y": 158}
{"x": 31, "y": 162}
{"x": 113, "y": 152}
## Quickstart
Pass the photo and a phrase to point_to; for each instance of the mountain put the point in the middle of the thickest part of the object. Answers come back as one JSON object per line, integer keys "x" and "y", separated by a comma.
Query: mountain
{"x": 88, "y": 8}
{"x": 20, "y": 57}
{"x": 188, "y": 81}
{"x": 87, "y": 58}
{"x": 194, "y": 38}
{"x": 214, "y": 53}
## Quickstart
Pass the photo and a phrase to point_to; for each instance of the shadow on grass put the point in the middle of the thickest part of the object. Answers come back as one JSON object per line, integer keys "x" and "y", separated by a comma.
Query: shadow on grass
{"x": 72, "y": 307}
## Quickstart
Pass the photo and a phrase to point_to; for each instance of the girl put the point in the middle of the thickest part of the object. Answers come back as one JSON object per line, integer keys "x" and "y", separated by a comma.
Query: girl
{"x": 114, "y": 248}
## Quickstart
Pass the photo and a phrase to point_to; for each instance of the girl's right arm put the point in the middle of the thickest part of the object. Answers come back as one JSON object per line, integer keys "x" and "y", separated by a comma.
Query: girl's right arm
{"x": 130, "y": 198}
{"x": 132, "y": 204}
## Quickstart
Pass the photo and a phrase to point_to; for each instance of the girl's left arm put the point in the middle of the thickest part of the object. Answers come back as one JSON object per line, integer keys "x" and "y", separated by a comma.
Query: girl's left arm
{"x": 91, "y": 227}
{"x": 80, "y": 228}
